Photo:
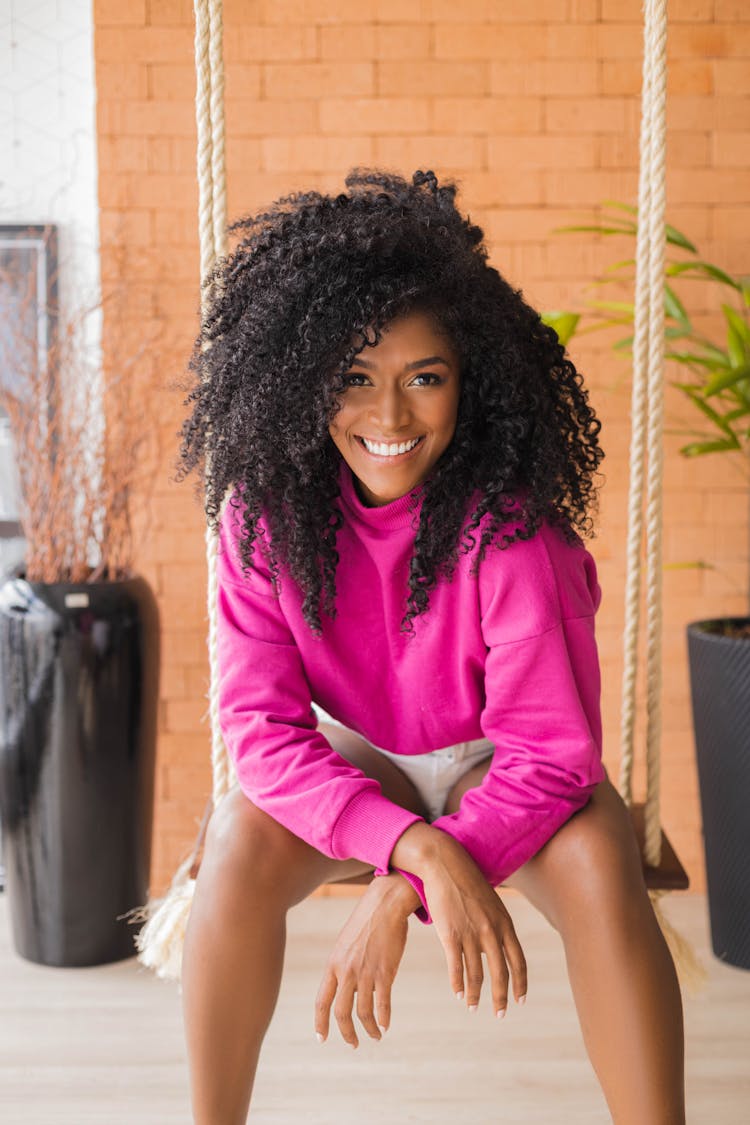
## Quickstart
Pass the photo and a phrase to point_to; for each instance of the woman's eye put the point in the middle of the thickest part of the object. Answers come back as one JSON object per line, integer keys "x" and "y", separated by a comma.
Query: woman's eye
{"x": 429, "y": 375}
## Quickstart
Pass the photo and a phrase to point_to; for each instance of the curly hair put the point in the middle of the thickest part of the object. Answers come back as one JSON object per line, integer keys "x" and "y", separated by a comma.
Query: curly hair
{"x": 313, "y": 281}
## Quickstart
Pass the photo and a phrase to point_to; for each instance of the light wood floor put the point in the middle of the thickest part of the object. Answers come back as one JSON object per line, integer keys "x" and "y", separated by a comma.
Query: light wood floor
{"x": 105, "y": 1045}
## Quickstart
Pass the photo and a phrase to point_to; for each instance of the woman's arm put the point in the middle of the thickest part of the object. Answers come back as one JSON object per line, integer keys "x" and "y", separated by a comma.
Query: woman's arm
{"x": 284, "y": 764}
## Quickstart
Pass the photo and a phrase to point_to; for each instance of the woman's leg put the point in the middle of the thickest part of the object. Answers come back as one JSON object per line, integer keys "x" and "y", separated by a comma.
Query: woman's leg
{"x": 588, "y": 882}
{"x": 252, "y": 871}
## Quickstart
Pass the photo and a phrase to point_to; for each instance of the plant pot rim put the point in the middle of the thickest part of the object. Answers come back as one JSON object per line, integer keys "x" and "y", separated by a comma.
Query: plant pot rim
{"x": 708, "y": 628}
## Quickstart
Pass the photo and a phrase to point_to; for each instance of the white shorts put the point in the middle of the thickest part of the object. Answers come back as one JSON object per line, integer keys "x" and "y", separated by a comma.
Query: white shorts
{"x": 435, "y": 772}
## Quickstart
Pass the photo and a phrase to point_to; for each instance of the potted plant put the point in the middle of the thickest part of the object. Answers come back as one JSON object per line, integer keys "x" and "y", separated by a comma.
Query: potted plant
{"x": 79, "y": 636}
{"x": 714, "y": 375}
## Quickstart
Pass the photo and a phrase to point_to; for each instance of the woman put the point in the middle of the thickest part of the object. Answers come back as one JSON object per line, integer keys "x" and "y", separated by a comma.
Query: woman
{"x": 400, "y": 464}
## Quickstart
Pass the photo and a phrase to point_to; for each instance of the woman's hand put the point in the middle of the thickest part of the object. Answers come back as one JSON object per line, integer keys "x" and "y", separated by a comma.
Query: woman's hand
{"x": 364, "y": 959}
{"x": 470, "y": 919}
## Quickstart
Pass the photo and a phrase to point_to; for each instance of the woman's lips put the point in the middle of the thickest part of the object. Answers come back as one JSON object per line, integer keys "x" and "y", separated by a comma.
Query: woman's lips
{"x": 390, "y": 459}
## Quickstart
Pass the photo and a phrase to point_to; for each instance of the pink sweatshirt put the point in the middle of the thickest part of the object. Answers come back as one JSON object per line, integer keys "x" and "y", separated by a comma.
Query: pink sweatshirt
{"x": 509, "y": 655}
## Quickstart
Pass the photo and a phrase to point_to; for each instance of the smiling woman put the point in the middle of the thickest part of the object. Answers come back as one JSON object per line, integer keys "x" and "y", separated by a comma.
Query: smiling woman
{"x": 393, "y": 427}
{"x": 400, "y": 460}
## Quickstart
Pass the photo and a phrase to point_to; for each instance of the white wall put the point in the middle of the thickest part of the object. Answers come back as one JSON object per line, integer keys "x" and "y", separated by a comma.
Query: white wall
{"x": 48, "y": 160}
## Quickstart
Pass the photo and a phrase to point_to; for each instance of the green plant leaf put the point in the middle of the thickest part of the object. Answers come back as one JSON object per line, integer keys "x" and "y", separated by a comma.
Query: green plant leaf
{"x": 563, "y": 323}
{"x": 597, "y": 228}
{"x": 614, "y": 306}
{"x": 709, "y": 411}
{"x": 701, "y": 269}
{"x": 728, "y": 377}
{"x": 618, "y": 205}
{"x": 675, "y": 308}
{"x": 676, "y": 238}
{"x": 696, "y": 448}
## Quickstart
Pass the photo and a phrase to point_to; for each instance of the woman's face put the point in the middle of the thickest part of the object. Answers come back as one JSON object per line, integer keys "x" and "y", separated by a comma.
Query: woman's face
{"x": 403, "y": 390}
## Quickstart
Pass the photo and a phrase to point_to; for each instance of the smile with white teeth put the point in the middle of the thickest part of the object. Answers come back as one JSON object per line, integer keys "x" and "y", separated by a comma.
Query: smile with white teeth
{"x": 389, "y": 450}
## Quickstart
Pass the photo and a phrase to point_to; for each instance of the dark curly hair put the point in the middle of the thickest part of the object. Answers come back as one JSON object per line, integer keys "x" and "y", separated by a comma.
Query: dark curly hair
{"x": 314, "y": 280}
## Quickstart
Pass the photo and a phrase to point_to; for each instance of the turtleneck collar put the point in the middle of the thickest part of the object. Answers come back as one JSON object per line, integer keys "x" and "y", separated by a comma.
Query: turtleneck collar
{"x": 385, "y": 517}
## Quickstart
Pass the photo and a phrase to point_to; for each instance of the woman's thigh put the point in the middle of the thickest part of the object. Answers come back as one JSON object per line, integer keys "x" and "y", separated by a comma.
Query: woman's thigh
{"x": 593, "y": 856}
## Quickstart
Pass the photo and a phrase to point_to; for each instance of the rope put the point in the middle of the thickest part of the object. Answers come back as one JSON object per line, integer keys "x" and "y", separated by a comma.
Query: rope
{"x": 161, "y": 939}
{"x": 647, "y": 410}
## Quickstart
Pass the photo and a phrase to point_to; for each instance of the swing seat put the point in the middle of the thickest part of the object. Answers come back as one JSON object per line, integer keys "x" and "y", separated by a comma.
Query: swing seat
{"x": 670, "y": 875}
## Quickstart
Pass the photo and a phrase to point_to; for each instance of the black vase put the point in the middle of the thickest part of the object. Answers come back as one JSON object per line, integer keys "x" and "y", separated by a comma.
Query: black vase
{"x": 79, "y": 668}
{"x": 720, "y": 693}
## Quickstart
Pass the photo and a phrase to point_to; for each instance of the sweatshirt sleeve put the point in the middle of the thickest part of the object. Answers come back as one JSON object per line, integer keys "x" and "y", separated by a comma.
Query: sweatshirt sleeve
{"x": 283, "y": 763}
{"x": 542, "y": 698}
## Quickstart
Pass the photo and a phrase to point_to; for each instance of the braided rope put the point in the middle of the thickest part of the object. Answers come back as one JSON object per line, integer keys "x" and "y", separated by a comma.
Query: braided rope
{"x": 647, "y": 428}
{"x": 160, "y": 941}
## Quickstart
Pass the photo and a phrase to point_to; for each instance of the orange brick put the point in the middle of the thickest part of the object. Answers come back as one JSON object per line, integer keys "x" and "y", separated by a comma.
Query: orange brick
{"x": 498, "y": 41}
{"x": 589, "y": 115}
{"x": 544, "y": 151}
{"x": 113, "y": 13}
{"x": 617, "y": 150}
{"x": 707, "y": 185}
{"x": 155, "y": 189}
{"x": 260, "y": 44}
{"x": 685, "y": 111}
{"x": 452, "y": 153}
{"x": 706, "y": 40}
{"x": 545, "y": 77}
{"x": 521, "y": 224}
{"x": 731, "y": 10}
{"x": 399, "y": 79}
{"x": 314, "y": 153}
{"x": 584, "y": 188}
{"x": 256, "y": 118}
{"x": 679, "y": 10}
{"x": 692, "y": 76}
{"x": 242, "y": 153}
{"x": 171, "y": 81}
{"x": 188, "y": 749}
{"x": 730, "y": 76}
{"x": 144, "y": 44}
{"x": 172, "y": 13}
{"x": 313, "y": 80}
{"x": 131, "y": 226}
{"x": 620, "y": 76}
{"x": 619, "y": 41}
{"x": 172, "y": 683}
{"x": 171, "y": 154}
{"x": 320, "y": 11}
{"x": 123, "y": 154}
{"x": 375, "y": 115}
{"x": 121, "y": 80}
{"x": 576, "y": 40}
{"x": 485, "y": 11}
{"x": 729, "y": 151}
{"x": 401, "y": 41}
{"x": 483, "y": 115}
{"x": 726, "y": 222}
{"x": 500, "y": 189}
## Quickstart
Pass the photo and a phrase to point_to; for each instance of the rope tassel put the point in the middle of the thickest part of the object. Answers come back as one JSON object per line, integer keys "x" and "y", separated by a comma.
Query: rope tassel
{"x": 691, "y": 971}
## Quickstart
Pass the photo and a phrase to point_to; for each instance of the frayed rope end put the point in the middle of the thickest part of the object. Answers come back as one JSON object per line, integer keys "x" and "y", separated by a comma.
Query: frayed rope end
{"x": 691, "y": 971}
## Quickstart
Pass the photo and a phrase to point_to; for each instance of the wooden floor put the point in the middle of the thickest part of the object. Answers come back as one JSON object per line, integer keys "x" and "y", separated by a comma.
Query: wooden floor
{"x": 105, "y": 1045}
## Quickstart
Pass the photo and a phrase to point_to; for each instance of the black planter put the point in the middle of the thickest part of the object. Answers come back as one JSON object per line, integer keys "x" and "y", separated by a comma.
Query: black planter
{"x": 79, "y": 666}
{"x": 720, "y": 691}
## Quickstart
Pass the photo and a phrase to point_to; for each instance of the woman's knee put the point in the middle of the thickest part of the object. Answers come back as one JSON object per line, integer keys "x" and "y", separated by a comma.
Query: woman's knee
{"x": 590, "y": 871}
{"x": 247, "y": 846}
{"x": 596, "y": 865}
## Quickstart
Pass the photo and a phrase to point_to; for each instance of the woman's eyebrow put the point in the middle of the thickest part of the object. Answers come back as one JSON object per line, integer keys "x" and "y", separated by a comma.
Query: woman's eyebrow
{"x": 408, "y": 366}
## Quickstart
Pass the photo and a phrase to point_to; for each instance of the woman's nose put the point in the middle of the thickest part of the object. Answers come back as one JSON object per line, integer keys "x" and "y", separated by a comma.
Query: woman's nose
{"x": 391, "y": 410}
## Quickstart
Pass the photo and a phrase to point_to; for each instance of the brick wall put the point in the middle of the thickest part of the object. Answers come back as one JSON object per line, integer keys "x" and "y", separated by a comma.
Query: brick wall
{"x": 533, "y": 106}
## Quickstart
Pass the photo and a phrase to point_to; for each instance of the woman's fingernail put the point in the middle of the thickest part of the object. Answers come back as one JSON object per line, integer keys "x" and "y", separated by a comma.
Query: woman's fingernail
{"x": 459, "y": 995}
{"x": 500, "y": 1013}
{"x": 522, "y": 999}
{"x": 320, "y": 1037}
{"x": 472, "y": 1007}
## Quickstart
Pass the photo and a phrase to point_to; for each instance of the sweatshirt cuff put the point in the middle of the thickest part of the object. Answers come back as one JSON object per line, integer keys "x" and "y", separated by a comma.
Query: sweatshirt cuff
{"x": 369, "y": 827}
